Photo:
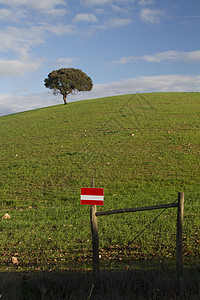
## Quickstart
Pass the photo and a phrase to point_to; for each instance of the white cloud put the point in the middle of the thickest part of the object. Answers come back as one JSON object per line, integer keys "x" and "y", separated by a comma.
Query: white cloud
{"x": 118, "y": 9}
{"x": 12, "y": 14}
{"x": 44, "y": 4}
{"x": 12, "y": 103}
{"x": 118, "y": 22}
{"x": 58, "y": 29}
{"x": 163, "y": 56}
{"x": 162, "y": 83}
{"x": 34, "y": 4}
{"x": 151, "y": 15}
{"x": 17, "y": 43}
{"x": 193, "y": 56}
{"x": 66, "y": 61}
{"x": 103, "y": 2}
{"x": 109, "y": 23}
{"x": 100, "y": 11}
{"x": 97, "y": 2}
{"x": 20, "y": 40}
{"x": 146, "y": 2}
{"x": 56, "y": 12}
{"x": 19, "y": 67}
{"x": 175, "y": 56}
{"x": 85, "y": 18}
{"x": 18, "y": 9}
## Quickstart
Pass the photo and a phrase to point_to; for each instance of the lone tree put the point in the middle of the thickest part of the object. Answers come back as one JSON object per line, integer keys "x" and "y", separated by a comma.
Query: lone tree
{"x": 67, "y": 81}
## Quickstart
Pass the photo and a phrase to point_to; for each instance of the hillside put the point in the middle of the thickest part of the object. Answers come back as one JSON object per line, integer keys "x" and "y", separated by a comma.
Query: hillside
{"x": 142, "y": 149}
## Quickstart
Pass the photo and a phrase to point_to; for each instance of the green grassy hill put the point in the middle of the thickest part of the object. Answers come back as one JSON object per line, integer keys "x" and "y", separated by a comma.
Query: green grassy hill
{"x": 142, "y": 149}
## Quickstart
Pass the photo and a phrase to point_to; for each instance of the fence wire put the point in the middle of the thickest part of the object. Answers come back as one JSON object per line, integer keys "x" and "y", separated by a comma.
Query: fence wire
{"x": 62, "y": 233}
{"x": 147, "y": 226}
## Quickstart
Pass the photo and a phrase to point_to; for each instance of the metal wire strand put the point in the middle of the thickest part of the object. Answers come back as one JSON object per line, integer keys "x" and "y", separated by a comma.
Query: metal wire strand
{"x": 147, "y": 226}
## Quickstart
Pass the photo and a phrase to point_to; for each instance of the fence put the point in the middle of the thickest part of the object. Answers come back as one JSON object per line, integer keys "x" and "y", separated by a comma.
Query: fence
{"x": 49, "y": 238}
{"x": 179, "y": 234}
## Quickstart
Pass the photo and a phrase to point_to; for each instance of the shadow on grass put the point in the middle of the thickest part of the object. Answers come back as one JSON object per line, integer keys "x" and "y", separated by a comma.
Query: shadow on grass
{"x": 131, "y": 284}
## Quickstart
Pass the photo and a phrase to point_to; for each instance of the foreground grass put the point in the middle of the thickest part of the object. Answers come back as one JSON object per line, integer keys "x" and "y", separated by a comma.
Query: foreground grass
{"x": 151, "y": 284}
{"x": 142, "y": 149}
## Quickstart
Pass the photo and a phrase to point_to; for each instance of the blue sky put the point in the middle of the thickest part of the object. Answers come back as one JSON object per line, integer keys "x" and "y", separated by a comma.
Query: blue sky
{"x": 125, "y": 46}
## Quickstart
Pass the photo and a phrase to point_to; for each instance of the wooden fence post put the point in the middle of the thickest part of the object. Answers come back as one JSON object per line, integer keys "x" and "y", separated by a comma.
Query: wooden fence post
{"x": 95, "y": 236}
{"x": 179, "y": 235}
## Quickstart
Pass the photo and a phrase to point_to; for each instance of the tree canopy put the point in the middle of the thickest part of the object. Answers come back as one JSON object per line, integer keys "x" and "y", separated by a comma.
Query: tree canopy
{"x": 68, "y": 80}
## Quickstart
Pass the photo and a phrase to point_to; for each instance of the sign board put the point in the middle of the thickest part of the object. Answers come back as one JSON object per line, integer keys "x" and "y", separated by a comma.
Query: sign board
{"x": 92, "y": 196}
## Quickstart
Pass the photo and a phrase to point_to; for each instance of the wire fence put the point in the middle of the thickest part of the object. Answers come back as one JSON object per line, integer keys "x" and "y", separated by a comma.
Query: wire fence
{"x": 56, "y": 237}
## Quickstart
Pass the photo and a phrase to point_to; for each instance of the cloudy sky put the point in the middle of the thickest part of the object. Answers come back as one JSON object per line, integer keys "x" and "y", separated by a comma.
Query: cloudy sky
{"x": 125, "y": 46}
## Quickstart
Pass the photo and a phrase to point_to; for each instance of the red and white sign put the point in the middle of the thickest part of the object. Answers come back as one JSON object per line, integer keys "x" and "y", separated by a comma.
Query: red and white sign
{"x": 92, "y": 196}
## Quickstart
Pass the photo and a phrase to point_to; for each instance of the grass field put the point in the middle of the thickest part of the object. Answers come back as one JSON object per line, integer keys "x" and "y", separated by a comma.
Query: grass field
{"x": 142, "y": 149}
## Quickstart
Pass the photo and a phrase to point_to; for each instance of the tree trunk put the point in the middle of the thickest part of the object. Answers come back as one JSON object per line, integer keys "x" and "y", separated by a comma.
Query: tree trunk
{"x": 64, "y": 99}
